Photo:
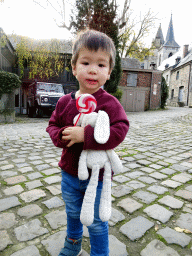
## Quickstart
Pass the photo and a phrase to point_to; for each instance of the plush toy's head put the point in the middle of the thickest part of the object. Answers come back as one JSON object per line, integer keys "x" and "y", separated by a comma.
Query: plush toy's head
{"x": 86, "y": 104}
{"x": 100, "y": 121}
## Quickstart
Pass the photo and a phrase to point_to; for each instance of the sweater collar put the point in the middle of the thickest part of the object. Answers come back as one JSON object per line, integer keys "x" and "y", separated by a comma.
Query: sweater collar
{"x": 95, "y": 94}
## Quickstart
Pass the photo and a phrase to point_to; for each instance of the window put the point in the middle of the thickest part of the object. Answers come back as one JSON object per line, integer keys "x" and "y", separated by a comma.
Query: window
{"x": 172, "y": 93}
{"x": 177, "y": 75}
{"x": 170, "y": 54}
{"x": 132, "y": 79}
{"x": 181, "y": 94}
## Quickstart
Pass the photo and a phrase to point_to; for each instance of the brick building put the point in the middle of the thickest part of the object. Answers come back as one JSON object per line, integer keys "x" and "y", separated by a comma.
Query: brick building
{"x": 141, "y": 88}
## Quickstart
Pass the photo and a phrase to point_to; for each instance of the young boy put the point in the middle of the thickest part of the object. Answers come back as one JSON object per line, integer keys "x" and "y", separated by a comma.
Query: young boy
{"x": 92, "y": 62}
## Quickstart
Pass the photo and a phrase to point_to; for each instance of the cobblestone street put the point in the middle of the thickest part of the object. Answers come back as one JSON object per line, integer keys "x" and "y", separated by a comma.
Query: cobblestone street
{"x": 151, "y": 198}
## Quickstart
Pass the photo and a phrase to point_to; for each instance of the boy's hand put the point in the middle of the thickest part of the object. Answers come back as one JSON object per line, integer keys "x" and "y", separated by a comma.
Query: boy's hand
{"x": 74, "y": 134}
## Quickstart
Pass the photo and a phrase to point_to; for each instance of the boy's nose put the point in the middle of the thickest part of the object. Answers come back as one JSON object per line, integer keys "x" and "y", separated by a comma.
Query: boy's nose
{"x": 93, "y": 70}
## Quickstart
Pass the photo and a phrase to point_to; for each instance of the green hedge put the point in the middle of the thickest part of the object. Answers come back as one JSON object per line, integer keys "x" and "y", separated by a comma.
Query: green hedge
{"x": 8, "y": 82}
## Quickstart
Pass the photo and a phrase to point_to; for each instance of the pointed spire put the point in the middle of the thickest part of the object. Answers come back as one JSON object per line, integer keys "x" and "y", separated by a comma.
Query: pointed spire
{"x": 159, "y": 35}
{"x": 170, "y": 40}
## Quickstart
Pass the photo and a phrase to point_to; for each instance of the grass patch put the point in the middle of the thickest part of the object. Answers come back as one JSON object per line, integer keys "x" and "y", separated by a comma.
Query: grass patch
{"x": 22, "y": 184}
{"x": 3, "y": 182}
{"x": 162, "y": 239}
{"x": 128, "y": 155}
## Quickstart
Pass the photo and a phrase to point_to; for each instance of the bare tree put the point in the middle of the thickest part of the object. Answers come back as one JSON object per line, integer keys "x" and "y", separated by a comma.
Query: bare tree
{"x": 60, "y": 10}
{"x": 131, "y": 32}
{"x": 131, "y": 38}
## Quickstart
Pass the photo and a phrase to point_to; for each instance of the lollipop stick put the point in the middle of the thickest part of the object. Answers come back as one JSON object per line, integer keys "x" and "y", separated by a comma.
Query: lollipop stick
{"x": 78, "y": 119}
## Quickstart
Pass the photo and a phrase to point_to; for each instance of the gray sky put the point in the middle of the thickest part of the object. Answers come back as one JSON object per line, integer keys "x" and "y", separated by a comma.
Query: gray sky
{"x": 26, "y": 18}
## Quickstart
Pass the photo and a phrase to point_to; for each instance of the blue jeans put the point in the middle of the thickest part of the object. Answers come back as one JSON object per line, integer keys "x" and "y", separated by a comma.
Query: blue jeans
{"x": 73, "y": 191}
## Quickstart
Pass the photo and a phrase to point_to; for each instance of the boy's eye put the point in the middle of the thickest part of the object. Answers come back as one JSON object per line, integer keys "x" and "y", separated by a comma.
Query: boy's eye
{"x": 101, "y": 65}
{"x": 85, "y": 63}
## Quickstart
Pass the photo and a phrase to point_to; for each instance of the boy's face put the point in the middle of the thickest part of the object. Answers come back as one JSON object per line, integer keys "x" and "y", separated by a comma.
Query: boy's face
{"x": 92, "y": 70}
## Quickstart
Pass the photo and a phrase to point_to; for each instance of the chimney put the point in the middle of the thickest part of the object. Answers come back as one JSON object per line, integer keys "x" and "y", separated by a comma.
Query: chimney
{"x": 185, "y": 50}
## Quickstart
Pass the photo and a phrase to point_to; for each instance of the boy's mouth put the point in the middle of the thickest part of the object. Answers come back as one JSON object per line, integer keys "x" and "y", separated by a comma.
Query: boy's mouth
{"x": 91, "y": 81}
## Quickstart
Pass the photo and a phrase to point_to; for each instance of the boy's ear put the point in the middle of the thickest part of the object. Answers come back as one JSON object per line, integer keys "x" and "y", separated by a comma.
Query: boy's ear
{"x": 109, "y": 74}
{"x": 74, "y": 70}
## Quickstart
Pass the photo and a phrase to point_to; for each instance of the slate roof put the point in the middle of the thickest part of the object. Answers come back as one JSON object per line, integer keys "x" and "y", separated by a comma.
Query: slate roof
{"x": 130, "y": 63}
{"x": 172, "y": 63}
{"x": 170, "y": 39}
{"x": 159, "y": 35}
{"x": 188, "y": 58}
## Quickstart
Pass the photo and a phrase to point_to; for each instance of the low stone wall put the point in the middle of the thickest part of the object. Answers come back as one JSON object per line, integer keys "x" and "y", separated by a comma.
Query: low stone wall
{"x": 7, "y": 108}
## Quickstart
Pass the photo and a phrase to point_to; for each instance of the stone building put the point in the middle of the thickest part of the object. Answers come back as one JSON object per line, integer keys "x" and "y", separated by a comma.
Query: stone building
{"x": 180, "y": 86}
{"x": 177, "y": 73}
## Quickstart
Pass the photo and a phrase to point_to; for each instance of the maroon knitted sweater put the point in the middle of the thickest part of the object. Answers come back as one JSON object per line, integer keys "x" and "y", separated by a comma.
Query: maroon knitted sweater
{"x": 62, "y": 117}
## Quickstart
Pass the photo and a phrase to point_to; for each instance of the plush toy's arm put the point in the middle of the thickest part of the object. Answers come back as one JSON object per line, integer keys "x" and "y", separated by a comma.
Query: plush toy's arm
{"x": 105, "y": 201}
{"x": 116, "y": 164}
{"x": 87, "y": 210}
{"x": 102, "y": 127}
{"x": 83, "y": 173}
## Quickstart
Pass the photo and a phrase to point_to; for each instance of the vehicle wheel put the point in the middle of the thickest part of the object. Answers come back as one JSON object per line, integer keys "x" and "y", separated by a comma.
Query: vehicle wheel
{"x": 38, "y": 111}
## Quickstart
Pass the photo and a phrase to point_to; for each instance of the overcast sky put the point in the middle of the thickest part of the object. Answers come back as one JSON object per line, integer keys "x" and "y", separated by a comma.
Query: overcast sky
{"x": 26, "y": 18}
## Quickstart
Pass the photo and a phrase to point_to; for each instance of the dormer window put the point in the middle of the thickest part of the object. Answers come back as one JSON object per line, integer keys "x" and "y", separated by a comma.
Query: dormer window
{"x": 166, "y": 66}
{"x": 177, "y": 75}
{"x": 170, "y": 54}
{"x": 177, "y": 60}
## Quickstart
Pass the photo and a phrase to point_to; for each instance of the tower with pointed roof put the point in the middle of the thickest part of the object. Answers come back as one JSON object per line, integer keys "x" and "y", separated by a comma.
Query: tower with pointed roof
{"x": 159, "y": 39}
{"x": 150, "y": 62}
{"x": 169, "y": 47}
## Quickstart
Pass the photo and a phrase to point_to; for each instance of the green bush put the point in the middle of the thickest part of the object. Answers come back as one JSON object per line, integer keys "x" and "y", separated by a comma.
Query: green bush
{"x": 118, "y": 94}
{"x": 8, "y": 82}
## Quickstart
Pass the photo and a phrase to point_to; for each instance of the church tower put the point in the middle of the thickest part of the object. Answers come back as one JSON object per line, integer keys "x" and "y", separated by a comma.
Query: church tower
{"x": 170, "y": 46}
{"x": 159, "y": 39}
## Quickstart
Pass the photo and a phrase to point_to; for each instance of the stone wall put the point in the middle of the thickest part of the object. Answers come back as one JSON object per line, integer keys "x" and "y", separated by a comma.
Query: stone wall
{"x": 7, "y": 108}
{"x": 183, "y": 80}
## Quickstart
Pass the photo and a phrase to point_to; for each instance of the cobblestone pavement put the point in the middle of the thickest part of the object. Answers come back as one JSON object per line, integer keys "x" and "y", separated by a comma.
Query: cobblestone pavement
{"x": 151, "y": 198}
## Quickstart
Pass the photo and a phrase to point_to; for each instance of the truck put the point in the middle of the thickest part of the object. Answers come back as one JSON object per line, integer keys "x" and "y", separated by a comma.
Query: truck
{"x": 42, "y": 97}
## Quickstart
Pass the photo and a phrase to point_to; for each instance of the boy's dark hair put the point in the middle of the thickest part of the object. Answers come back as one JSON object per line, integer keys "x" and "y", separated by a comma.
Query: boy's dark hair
{"x": 93, "y": 40}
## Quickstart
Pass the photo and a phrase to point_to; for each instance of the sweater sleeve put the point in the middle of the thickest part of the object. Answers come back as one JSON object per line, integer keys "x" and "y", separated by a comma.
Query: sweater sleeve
{"x": 55, "y": 128}
{"x": 119, "y": 126}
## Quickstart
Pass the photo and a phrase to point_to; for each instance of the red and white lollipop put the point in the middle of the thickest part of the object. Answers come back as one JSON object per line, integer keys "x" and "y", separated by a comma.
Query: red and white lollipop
{"x": 85, "y": 103}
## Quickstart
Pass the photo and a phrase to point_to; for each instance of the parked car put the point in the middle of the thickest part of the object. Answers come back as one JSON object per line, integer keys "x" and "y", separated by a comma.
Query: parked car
{"x": 43, "y": 97}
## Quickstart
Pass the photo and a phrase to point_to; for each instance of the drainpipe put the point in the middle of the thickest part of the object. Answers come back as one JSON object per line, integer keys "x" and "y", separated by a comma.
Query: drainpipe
{"x": 151, "y": 93}
{"x": 189, "y": 85}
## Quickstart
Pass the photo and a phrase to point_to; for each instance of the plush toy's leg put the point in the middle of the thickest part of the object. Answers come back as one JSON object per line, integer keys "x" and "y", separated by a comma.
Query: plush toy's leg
{"x": 105, "y": 201}
{"x": 116, "y": 164}
{"x": 83, "y": 173}
{"x": 87, "y": 210}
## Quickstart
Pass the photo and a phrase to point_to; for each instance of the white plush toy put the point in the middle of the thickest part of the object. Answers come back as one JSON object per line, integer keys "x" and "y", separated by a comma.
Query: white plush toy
{"x": 95, "y": 160}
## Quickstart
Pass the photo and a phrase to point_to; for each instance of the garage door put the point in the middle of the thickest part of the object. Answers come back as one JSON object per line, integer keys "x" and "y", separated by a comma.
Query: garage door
{"x": 133, "y": 100}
